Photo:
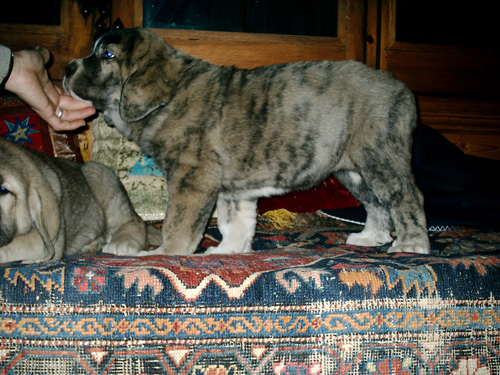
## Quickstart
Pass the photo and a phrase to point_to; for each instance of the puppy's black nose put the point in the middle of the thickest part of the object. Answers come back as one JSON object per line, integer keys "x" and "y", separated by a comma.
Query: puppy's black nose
{"x": 71, "y": 68}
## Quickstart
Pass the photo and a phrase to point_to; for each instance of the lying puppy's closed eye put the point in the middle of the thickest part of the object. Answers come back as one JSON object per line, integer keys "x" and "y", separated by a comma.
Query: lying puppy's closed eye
{"x": 230, "y": 136}
{"x": 50, "y": 208}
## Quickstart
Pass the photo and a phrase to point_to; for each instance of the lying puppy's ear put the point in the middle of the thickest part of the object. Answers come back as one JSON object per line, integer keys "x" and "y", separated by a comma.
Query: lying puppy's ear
{"x": 45, "y": 215}
{"x": 20, "y": 212}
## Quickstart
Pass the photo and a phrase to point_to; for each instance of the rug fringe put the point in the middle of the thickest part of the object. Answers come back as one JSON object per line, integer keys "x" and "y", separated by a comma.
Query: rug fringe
{"x": 281, "y": 218}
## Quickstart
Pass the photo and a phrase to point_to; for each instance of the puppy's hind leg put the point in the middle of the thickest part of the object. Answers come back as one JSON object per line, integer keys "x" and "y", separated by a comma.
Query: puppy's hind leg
{"x": 378, "y": 221}
{"x": 126, "y": 230}
{"x": 411, "y": 226}
{"x": 398, "y": 202}
{"x": 376, "y": 231}
{"x": 236, "y": 220}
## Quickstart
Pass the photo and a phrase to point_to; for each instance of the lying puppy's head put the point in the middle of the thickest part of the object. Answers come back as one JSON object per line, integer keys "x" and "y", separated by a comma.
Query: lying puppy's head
{"x": 22, "y": 191}
{"x": 128, "y": 74}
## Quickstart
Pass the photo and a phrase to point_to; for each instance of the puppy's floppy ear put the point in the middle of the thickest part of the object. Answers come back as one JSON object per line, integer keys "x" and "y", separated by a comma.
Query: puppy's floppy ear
{"x": 142, "y": 93}
{"x": 45, "y": 215}
{"x": 149, "y": 83}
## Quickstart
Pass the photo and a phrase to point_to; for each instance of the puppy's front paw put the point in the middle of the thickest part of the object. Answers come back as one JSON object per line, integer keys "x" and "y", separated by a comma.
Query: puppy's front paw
{"x": 369, "y": 238}
{"x": 414, "y": 247}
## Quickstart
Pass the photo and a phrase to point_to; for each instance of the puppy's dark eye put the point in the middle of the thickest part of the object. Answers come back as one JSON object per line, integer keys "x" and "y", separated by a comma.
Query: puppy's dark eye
{"x": 108, "y": 55}
{"x": 3, "y": 190}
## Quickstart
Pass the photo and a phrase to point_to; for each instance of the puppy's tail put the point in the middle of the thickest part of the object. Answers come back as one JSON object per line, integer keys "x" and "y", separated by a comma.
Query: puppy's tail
{"x": 154, "y": 236}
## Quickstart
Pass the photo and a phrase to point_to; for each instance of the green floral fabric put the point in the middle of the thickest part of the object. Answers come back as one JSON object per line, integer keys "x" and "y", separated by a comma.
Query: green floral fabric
{"x": 143, "y": 180}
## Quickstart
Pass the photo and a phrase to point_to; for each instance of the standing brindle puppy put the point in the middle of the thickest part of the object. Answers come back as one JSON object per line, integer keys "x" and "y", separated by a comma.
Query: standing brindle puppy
{"x": 228, "y": 135}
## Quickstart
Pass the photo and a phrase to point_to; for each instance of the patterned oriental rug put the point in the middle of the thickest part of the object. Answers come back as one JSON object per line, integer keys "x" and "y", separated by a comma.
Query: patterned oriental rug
{"x": 304, "y": 303}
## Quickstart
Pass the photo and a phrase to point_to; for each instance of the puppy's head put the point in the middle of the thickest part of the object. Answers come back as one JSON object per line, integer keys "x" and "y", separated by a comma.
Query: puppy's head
{"x": 129, "y": 72}
{"x": 27, "y": 198}
{"x": 15, "y": 215}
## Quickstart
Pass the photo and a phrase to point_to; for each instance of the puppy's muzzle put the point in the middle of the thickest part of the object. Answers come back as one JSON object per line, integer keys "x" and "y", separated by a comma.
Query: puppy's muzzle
{"x": 71, "y": 68}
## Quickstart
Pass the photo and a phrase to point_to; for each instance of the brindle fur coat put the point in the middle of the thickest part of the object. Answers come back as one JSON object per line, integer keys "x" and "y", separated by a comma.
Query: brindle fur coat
{"x": 229, "y": 136}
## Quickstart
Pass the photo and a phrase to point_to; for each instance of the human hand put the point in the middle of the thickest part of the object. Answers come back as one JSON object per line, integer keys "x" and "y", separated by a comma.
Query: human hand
{"x": 30, "y": 81}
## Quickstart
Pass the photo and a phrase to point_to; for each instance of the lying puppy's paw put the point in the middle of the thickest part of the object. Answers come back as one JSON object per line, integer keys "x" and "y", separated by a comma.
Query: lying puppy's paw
{"x": 225, "y": 250}
{"x": 158, "y": 251}
{"x": 161, "y": 251}
{"x": 92, "y": 247}
{"x": 369, "y": 238}
{"x": 4, "y": 256}
{"x": 123, "y": 246}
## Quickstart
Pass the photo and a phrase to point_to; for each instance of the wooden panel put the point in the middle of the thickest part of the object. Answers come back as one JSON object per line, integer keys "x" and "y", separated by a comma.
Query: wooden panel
{"x": 372, "y": 37}
{"x": 80, "y": 31}
{"x": 65, "y": 41}
{"x": 473, "y": 125}
{"x": 246, "y": 50}
{"x": 481, "y": 144}
{"x": 54, "y": 38}
{"x": 438, "y": 69}
{"x": 445, "y": 70}
{"x": 457, "y": 88}
{"x": 251, "y": 50}
{"x": 129, "y": 12}
{"x": 351, "y": 29}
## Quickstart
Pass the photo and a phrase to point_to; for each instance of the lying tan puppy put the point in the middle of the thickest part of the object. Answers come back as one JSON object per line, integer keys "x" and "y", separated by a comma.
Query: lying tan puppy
{"x": 51, "y": 208}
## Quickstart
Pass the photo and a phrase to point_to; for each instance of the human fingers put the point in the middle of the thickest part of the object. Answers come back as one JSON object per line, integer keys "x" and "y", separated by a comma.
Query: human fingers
{"x": 75, "y": 114}
{"x": 44, "y": 52}
{"x": 68, "y": 102}
{"x": 60, "y": 124}
{"x": 34, "y": 84}
{"x": 71, "y": 115}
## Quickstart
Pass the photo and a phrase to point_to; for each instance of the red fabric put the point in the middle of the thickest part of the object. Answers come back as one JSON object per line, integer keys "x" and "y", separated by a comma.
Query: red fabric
{"x": 330, "y": 195}
{"x": 18, "y": 123}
